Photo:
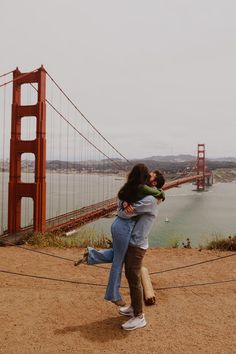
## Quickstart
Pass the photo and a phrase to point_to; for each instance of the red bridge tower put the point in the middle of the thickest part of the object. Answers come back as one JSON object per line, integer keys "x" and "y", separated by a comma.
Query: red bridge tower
{"x": 17, "y": 188}
{"x": 201, "y": 167}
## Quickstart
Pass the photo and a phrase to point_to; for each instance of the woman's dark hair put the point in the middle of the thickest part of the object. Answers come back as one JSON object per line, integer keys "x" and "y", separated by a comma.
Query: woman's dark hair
{"x": 137, "y": 176}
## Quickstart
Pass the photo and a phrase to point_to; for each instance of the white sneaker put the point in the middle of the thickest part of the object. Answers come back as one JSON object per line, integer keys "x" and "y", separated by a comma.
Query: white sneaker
{"x": 126, "y": 311}
{"x": 134, "y": 323}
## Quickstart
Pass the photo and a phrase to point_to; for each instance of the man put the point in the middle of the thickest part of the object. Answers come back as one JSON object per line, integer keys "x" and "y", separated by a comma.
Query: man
{"x": 147, "y": 209}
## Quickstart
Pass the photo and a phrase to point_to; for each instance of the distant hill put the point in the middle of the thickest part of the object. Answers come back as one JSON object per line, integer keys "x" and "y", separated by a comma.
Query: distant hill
{"x": 168, "y": 164}
{"x": 172, "y": 158}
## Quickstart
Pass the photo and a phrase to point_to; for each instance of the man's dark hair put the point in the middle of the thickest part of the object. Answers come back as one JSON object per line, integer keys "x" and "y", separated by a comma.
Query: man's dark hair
{"x": 160, "y": 180}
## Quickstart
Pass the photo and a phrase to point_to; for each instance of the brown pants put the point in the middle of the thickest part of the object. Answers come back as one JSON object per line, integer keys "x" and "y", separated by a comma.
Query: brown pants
{"x": 133, "y": 264}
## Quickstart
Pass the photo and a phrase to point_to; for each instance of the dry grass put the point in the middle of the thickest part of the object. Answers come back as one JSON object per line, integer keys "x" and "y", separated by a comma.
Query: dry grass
{"x": 82, "y": 239}
{"x": 89, "y": 237}
{"x": 223, "y": 244}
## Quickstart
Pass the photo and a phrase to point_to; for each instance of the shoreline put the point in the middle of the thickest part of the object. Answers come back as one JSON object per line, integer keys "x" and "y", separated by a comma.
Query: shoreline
{"x": 224, "y": 175}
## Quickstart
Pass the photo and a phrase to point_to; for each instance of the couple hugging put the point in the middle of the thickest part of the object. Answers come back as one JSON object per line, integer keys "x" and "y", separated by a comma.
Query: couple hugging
{"x": 138, "y": 203}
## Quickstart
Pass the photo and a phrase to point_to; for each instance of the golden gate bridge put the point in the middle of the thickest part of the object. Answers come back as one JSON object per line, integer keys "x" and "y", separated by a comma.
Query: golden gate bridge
{"x": 57, "y": 170}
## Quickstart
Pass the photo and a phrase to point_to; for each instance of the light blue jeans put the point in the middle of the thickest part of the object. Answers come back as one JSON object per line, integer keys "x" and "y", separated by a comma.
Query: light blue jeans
{"x": 121, "y": 230}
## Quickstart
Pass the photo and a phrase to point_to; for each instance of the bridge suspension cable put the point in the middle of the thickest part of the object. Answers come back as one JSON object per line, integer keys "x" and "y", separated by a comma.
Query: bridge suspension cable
{"x": 79, "y": 132}
{"x": 9, "y": 72}
{"x": 87, "y": 120}
{"x": 17, "y": 78}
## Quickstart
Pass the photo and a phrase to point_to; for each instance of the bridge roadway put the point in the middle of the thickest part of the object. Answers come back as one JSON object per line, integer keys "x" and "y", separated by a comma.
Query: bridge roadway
{"x": 77, "y": 218}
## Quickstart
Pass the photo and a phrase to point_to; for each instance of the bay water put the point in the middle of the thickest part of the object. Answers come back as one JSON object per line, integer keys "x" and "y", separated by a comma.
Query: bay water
{"x": 186, "y": 213}
{"x": 199, "y": 216}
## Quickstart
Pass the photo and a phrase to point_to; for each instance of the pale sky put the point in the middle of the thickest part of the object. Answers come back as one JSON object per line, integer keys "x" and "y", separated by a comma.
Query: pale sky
{"x": 155, "y": 77}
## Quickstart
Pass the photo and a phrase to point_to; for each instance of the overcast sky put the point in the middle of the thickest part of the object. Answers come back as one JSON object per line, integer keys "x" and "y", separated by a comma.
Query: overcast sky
{"x": 155, "y": 77}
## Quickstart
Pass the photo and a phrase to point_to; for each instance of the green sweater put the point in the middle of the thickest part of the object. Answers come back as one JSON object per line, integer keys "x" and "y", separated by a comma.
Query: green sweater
{"x": 145, "y": 190}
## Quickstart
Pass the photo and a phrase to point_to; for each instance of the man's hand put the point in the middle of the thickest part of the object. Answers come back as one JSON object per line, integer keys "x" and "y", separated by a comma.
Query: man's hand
{"x": 162, "y": 196}
{"x": 159, "y": 201}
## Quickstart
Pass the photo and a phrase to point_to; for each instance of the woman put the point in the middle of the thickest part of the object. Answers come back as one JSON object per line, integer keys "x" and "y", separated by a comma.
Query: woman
{"x": 133, "y": 190}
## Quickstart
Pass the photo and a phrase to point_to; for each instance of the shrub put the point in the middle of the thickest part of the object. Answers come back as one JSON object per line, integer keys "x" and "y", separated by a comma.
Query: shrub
{"x": 224, "y": 244}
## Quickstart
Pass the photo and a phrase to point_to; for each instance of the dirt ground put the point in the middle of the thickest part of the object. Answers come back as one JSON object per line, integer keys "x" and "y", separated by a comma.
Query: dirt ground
{"x": 42, "y": 316}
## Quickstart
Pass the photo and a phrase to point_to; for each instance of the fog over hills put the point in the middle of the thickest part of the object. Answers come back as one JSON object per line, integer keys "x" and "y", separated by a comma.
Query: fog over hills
{"x": 185, "y": 158}
{"x": 172, "y": 158}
